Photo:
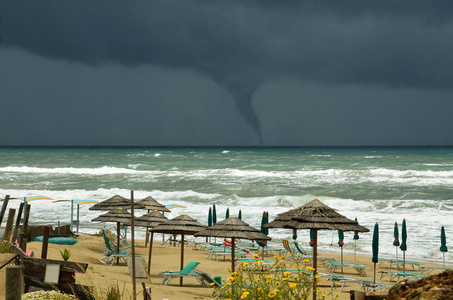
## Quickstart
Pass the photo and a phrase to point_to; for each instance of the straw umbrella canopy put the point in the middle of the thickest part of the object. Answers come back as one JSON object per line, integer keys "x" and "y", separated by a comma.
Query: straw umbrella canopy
{"x": 183, "y": 225}
{"x": 233, "y": 228}
{"x": 118, "y": 215}
{"x": 115, "y": 202}
{"x": 151, "y": 204}
{"x": 150, "y": 220}
{"x": 317, "y": 216}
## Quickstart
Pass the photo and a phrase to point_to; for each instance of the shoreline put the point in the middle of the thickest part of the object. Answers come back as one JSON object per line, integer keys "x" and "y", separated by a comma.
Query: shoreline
{"x": 165, "y": 257}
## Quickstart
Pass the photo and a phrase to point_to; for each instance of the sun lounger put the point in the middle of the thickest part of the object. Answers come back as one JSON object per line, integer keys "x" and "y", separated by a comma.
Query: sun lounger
{"x": 332, "y": 266}
{"x": 429, "y": 269}
{"x": 187, "y": 271}
{"x": 399, "y": 274}
{"x": 111, "y": 253}
{"x": 416, "y": 265}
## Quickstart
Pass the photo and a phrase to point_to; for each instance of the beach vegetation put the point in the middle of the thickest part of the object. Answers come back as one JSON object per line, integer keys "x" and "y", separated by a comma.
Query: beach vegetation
{"x": 6, "y": 246}
{"x": 47, "y": 295}
{"x": 65, "y": 254}
{"x": 278, "y": 281}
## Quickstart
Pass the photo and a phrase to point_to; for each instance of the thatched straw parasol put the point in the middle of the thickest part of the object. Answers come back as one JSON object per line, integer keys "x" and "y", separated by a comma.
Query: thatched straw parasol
{"x": 150, "y": 220}
{"x": 115, "y": 202}
{"x": 233, "y": 228}
{"x": 317, "y": 216}
{"x": 151, "y": 204}
{"x": 182, "y": 225}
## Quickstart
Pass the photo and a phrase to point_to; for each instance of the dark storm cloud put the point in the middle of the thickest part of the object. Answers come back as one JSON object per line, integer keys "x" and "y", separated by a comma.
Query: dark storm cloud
{"x": 243, "y": 44}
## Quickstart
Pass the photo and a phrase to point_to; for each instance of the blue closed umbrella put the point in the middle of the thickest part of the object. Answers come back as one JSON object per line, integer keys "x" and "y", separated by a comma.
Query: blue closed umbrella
{"x": 375, "y": 248}
{"x": 403, "y": 246}
{"x": 443, "y": 242}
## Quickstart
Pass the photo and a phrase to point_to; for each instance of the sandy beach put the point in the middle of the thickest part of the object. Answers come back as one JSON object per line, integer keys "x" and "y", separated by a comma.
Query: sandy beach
{"x": 88, "y": 249}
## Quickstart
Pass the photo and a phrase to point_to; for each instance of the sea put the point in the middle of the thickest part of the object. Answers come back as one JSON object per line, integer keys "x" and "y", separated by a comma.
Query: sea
{"x": 380, "y": 185}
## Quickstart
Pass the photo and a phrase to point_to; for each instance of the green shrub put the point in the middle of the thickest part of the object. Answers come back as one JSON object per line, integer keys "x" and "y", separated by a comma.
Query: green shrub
{"x": 254, "y": 281}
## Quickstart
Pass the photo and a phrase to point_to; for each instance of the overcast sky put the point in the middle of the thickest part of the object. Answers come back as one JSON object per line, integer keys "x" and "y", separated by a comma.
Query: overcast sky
{"x": 226, "y": 73}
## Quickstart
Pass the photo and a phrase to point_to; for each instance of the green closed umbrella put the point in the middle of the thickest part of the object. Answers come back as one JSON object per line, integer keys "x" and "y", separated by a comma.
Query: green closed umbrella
{"x": 227, "y": 214}
{"x": 240, "y": 215}
{"x": 403, "y": 245}
{"x": 443, "y": 242}
{"x": 210, "y": 217}
{"x": 375, "y": 247}
{"x": 214, "y": 215}
{"x": 396, "y": 242}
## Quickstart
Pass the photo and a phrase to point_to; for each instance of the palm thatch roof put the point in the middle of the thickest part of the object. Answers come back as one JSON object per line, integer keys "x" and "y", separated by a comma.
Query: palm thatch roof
{"x": 152, "y": 204}
{"x": 151, "y": 219}
{"x": 233, "y": 228}
{"x": 182, "y": 224}
{"x": 118, "y": 215}
{"x": 115, "y": 202}
{"x": 315, "y": 215}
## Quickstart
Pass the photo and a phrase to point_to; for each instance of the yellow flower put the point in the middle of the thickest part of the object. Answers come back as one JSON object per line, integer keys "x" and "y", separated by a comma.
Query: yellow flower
{"x": 299, "y": 269}
{"x": 310, "y": 268}
{"x": 319, "y": 290}
{"x": 243, "y": 264}
{"x": 244, "y": 295}
{"x": 281, "y": 261}
{"x": 258, "y": 279}
{"x": 324, "y": 295}
{"x": 318, "y": 283}
{"x": 293, "y": 285}
{"x": 306, "y": 260}
{"x": 284, "y": 279}
{"x": 255, "y": 255}
{"x": 234, "y": 273}
{"x": 338, "y": 295}
{"x": 287, "y": 272}
{"x": 275, "y": 256}
{"x": 271, "y": 295}
{"x": 269, "y": 276}
{"x": 318, "y": 276}
{"x": 259, "y": 289}
{"x": 231, "y": 278}
{"x": 260, "y": 262}
{"x": 211, "y": 284}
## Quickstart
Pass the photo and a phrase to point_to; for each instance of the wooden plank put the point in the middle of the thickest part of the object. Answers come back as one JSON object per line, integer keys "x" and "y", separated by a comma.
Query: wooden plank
{"x": 13, "y": 284}
{"x": 65, "y": 265}
{"x": 3, "y": 210}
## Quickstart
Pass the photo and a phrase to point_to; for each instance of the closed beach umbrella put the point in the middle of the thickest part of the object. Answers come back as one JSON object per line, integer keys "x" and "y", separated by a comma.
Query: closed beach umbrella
{"x": 240, "y": 215}
{"x": 210, "y": 217}
{"x": 317, "y": 216}
{"x": 403, "y": 246}
{"x": 443, "y": 243}
{"x": 396, "y": 241}
{"x": 311, "y": 242}
{"x": 227, "y": 214}
{"x": 233, "y": 228}
{"x": 341, "y": 243}
{"x": 214, "y": 215}
{"x": 183, "y": 225}
{"x": 375, "y": 247}
{"x": 263, "y": 243}
{"x": 355, "y": 238}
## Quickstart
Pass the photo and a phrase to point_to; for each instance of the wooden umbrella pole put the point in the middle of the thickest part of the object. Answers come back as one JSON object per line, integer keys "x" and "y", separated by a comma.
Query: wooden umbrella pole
{"x": 134, "y": 288}
{"x": 150, "y": 251}
{"x": 233, "y": 249}
{"x": 315, "y": 262}
{"x": 182, "y": 256}
{"x": 118, "y": 232}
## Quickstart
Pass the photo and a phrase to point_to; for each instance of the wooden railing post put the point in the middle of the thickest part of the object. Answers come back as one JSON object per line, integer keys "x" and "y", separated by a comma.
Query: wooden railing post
{"x": 9, "y": 224}
{"x": 13, "y": 284}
